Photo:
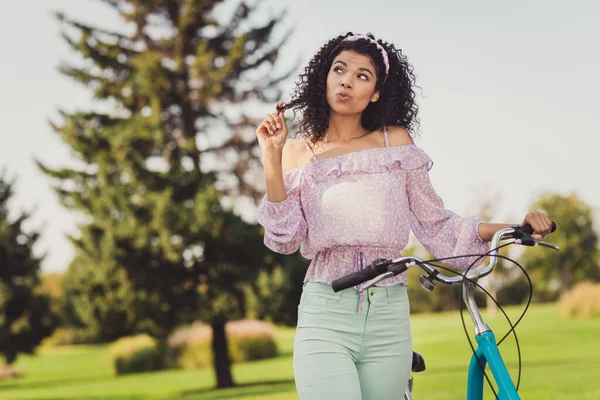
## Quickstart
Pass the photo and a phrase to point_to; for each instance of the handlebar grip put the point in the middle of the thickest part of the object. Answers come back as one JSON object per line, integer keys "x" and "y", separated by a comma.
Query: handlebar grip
{"x": 526, "y": 228}
{"x": 355, "y": 278}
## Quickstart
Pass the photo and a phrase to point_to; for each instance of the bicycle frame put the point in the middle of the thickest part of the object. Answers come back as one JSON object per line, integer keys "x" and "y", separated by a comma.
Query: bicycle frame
{"x": 487, "y": 353}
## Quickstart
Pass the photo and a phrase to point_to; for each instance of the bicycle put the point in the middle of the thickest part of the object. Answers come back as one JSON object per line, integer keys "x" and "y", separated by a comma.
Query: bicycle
{"x": 487, "y": 351}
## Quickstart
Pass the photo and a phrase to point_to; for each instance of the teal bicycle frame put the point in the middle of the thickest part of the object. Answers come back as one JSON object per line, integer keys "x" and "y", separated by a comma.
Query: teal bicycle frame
{"x": 487, "y": 351}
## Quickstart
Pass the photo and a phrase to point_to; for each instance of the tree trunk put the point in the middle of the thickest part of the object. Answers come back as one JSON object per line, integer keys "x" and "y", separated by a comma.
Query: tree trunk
{"x": 10, "y": 357}
{"x": 7, "y": 371}
{"x": 491, "y": 307}
{"x": 565, "y": 277}
{"x": 221, "y": 360}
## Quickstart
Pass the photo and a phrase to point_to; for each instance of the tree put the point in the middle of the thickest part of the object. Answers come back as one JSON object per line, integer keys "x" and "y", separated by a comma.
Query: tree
{"x": 173, "y": 150}
{"x": 487, "y": 198}
{"x": 25, "y": 316}
{"x": 554, "y": 273}
{"x": 274, "y": 295}
{"x": 97, "y": 301}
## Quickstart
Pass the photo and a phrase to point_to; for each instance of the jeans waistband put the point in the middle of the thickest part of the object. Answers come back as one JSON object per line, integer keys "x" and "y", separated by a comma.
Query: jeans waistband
{"x": 373, "y": 294}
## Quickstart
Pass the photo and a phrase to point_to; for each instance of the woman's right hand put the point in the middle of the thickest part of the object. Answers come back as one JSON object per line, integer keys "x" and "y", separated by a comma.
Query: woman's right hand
{"x": 272, "y": 132}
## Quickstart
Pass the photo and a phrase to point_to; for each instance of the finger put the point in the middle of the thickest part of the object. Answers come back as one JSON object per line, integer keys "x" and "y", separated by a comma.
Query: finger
{"x": 270, "y": 124}
{"x": 277, "y": 123}
{"x": 543, "y": 224}
{"x": 548, "y": 222}
{"x": 536, "y": 222}
{"x": 280, "y": 106}
{"x": 536, "y": 236}
{"x": 281, "y": 115}
{"x": 281, "y": 110}
{"x": 263, "y": 129}
{"x": 277, "y": 119}
{"x": 271, "y": 119}
{"x": 531, "y": 220}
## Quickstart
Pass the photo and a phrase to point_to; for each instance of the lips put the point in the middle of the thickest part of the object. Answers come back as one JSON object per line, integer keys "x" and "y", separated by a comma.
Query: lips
{"x": 343, "y": 96}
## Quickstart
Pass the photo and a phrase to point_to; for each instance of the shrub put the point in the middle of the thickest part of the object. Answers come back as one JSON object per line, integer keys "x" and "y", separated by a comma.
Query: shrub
{"x": 132, "y": 354}
{"x": 9, "y": 372}
{"x": 191, "y": 356}
{"x": 68, "y": 337}
{"x": 190, "y": 347}
{"x": 251, "y": 340}
{"x": 257, "y": 348}
{"x": 582, "y": 301}
{"x": 248, "y": 340}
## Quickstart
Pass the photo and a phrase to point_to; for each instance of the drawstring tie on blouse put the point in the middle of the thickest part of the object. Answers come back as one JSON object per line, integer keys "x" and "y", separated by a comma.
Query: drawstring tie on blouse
{"x": 359, "y": 263}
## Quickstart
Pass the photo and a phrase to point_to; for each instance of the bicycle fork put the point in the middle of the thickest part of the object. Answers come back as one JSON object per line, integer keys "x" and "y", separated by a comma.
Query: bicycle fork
{"x": 487, "y": 353}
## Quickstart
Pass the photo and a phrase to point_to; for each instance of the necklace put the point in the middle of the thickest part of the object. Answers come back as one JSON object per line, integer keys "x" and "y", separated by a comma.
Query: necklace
{"x": 358, "y": 136}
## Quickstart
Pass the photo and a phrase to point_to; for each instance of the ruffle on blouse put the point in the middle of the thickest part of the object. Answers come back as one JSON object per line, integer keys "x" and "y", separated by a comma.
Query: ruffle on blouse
{"x": 369, "y": 161}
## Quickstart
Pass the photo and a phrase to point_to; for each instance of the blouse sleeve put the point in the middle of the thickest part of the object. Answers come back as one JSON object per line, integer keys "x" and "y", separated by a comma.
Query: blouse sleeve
{"x": 284, "y": 222}
{"x": 441, "y": 231}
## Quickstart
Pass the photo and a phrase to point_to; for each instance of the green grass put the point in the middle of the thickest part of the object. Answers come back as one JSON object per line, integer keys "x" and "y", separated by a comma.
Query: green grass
{"x": 561, "y": 359}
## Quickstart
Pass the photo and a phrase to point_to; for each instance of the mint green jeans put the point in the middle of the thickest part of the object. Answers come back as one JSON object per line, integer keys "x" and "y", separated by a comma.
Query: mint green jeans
{"x": 346, "y": 352}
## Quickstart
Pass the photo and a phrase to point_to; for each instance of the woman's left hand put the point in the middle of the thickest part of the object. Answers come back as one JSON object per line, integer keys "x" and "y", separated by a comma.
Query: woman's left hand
{"x": 540, "y": 223}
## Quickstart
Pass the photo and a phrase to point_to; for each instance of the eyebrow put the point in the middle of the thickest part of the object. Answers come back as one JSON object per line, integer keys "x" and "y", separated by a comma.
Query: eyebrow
{"x": 361, "y": 69}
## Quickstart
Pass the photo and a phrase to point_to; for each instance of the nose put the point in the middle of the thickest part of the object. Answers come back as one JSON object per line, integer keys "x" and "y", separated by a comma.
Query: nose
{"x": 345, "y": 84}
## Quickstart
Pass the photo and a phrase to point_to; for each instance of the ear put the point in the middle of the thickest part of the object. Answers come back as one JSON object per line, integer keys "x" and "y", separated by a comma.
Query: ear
{"x": 375, "y": 97}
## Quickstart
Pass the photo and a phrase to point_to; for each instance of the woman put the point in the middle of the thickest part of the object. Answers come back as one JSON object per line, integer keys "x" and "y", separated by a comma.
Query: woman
{"x": 346, "y": 193}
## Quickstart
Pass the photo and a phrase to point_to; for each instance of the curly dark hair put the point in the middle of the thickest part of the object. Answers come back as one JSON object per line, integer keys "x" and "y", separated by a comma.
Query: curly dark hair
{"x": 396, "y": 104}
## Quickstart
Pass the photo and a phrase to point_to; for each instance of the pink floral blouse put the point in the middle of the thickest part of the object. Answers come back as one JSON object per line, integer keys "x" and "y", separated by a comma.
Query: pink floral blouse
{"x": 344, "y": 212}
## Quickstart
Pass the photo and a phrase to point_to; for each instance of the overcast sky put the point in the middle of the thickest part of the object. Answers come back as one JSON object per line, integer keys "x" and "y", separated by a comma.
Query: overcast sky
{"x": 510, "y": 94}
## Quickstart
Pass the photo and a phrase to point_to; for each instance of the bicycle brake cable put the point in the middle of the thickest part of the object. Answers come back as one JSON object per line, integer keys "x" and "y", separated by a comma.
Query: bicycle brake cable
{"x": 512, "y": 326}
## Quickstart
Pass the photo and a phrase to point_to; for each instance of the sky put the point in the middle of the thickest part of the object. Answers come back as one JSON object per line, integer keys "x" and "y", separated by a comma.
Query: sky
{"x": 508, "y": 106}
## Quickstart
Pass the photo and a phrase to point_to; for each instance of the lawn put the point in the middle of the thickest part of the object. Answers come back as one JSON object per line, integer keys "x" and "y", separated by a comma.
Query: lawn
{"x": 561, "y": 359}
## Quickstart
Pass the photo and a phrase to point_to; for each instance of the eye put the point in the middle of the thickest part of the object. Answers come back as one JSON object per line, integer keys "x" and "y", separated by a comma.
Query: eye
{"x": 363, "y": 76}
{"x": 338, "y": 69}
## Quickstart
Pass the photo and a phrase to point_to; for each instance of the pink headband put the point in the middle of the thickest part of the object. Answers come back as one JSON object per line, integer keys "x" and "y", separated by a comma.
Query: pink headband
{"x": 384, "y": 54}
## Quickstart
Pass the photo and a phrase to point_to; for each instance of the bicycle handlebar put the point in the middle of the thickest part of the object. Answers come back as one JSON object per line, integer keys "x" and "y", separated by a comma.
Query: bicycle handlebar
{"x": 382, "y": 269}
{"x": 528, "y": 229}
{"x": 356, "y": 278}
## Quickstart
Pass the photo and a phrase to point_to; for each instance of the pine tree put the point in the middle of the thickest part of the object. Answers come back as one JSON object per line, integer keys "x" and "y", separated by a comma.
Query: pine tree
{"x": 25, "y": 316}
{"x": 173, "y": 149}
{"x": 97, "y": 300}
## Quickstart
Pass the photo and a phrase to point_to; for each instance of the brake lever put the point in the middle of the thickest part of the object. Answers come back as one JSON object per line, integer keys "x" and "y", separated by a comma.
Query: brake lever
{"x": 530, "y": 241}
{"x": 547, "y": 244}
{"x": 375, "y": 280}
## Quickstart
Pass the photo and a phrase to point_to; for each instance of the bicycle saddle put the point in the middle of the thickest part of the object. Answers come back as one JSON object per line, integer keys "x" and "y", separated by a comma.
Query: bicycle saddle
{"x": 418, "y": 362}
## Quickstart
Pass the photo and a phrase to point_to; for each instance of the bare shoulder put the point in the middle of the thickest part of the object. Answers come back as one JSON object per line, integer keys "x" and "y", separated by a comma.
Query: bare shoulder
{"x": 294, "y": 154}
{"x": 398, "y": 136}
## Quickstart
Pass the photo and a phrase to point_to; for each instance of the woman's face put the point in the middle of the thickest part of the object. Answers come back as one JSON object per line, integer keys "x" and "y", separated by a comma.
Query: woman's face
{"x": 351, "y": 83}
